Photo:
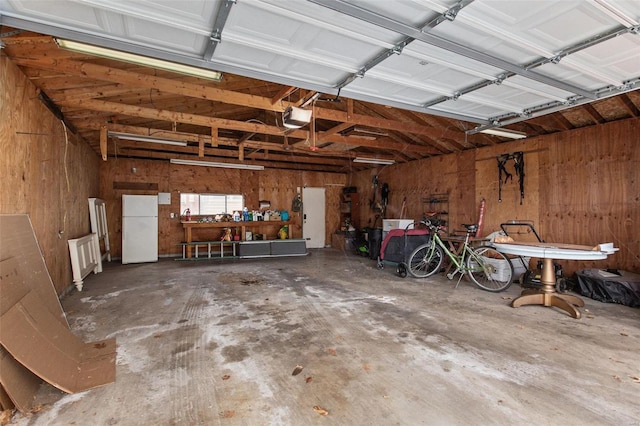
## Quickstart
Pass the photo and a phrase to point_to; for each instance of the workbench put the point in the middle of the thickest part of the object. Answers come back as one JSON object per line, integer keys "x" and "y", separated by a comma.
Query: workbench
{"x": 190, "y": 226}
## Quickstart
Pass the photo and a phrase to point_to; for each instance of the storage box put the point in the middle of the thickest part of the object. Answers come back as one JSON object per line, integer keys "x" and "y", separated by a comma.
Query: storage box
{"x": 502, "y": 267}
{"x": 520, "y": 266}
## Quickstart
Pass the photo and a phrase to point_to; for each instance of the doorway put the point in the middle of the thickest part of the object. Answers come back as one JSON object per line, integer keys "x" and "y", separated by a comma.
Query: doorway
{"x": 313, "y": 217}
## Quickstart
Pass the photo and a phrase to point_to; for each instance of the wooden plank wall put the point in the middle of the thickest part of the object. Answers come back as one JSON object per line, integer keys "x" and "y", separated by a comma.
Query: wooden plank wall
{"x": 591, "y": 193}
{"x": 581, "y": 187}
{"x": 453, "y": 175}
{"x": 278, "y": 187}
{"x": 46, "y": 172}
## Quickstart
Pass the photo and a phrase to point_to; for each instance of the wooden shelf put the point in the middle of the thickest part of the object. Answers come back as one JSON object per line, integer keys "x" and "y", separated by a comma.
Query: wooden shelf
{"x": 350, "y": 209}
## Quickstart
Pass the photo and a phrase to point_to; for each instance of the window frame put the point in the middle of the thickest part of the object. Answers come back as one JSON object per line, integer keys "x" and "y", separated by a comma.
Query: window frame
{"x": 195, "y": 206}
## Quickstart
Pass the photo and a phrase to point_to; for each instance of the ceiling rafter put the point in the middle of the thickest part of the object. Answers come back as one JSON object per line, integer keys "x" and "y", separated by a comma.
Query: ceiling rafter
{"x": 199, "y": 91}
{"x": 172, "y": 116}
{"x": 629, "y": 105}
{"x": 595, "y": 115}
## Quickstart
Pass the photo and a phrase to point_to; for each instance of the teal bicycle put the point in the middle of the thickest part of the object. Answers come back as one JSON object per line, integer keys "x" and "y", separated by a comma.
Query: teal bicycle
{"x": 488, "y": 268}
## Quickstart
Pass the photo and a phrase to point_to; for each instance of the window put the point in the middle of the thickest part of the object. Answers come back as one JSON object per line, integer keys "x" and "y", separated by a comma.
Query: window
{"x": 211, "y": 204}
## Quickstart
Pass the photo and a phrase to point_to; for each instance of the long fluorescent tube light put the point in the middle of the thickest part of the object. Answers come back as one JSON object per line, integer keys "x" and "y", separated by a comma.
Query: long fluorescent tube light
{"x": 373, "y": 161}
{"x": 505, "y": 133}
{"x": 138, "y": 59}
{"x": 142, "y": 138}
{"x": 214, "y": 164}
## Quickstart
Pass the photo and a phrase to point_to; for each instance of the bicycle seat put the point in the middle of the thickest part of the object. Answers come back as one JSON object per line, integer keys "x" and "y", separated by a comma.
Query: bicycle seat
{"x": 471, "y": 229}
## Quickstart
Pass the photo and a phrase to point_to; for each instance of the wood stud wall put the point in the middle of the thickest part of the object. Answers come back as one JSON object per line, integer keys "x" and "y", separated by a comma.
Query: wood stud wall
{"x": 45, "y": 172}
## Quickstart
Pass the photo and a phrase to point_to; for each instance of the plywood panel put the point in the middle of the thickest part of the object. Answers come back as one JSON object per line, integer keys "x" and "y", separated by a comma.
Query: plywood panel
{"x": 512, "y": 206}
{"x": 592, "y": 192}
{"x": 453, "y": 175}
{"x": 47, "y": 172}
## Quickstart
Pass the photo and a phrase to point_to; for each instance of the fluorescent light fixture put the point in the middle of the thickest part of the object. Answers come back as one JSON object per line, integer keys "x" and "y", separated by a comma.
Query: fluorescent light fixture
{"x": 505, "y": 133}
{"x": 138, "y": 59}
{"x": 214, "y": 164}
{"x": 373, "y": 161}
{"x": 142, "y": 138}
{"x": 369, "y": 131}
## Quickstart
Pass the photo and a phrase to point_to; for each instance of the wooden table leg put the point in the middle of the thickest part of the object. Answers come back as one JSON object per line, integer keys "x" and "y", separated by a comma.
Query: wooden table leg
{"x": 187, "y": 237}
{"x": 547, "y": 296}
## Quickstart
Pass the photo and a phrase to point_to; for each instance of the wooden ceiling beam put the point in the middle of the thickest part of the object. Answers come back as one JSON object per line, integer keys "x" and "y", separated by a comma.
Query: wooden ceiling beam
{"x": 629, "y": 105}
{"x": 275, "y": 160}
{"x": 115, "y": 75}
{"x": 382, "y": 123}
{"x": 285, "y": 91}
{"x": 594, "y": 114}
{"x": 181, "y": 117}
{"x": 383, "y": 112}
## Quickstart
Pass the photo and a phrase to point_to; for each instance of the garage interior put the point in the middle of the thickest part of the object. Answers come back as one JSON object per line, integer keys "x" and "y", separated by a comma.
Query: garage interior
{"x": 431, "y": 95}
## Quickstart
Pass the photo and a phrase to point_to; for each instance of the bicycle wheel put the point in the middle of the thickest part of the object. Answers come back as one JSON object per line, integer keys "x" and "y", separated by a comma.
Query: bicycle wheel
{"x": 489, "y": 269}
{"x": 425, "y": 260}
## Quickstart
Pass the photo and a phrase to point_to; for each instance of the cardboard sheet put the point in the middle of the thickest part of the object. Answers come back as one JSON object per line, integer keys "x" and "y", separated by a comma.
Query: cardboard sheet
{"x": 5, "y": 401}
{"x": 20, "y": 384}
{"x": 44, "y": 345}
{"x": 18, "y": 240}
{"x": 34, "y": 330}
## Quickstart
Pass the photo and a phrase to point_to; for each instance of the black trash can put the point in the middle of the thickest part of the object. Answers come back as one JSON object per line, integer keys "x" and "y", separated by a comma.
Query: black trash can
{"x": 375, "y": 241}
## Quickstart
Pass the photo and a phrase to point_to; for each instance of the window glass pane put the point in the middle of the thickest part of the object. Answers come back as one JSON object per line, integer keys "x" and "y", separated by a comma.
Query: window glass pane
{"x": 191, "y": 202}
{"x": 212, "y": 204}
{"x": 234, "y": 203}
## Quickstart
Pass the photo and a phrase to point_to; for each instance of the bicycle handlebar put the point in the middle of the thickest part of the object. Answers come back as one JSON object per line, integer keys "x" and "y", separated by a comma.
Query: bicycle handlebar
{"x": 471, "y": 229}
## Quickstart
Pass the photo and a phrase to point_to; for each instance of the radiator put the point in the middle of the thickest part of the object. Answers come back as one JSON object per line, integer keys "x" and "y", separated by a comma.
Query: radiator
{"x": 98, "y": 217}
{"x": 84, "y": 258}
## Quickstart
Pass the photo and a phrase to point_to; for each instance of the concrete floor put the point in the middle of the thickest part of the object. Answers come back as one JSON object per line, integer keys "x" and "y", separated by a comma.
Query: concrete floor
{"x": 207, "y": 343}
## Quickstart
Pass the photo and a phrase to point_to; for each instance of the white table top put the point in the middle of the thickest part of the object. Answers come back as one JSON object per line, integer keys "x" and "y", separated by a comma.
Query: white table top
{"x": 557, "y": 250}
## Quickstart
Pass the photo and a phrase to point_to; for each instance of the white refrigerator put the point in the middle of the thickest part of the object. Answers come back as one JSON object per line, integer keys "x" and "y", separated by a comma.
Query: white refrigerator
{"x": 139, "y": 228}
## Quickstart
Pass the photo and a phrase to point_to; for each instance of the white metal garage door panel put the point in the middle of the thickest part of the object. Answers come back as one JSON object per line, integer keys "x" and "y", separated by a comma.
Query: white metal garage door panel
{"x": 311, "y": 14}
{"x": 194, "y": 15}
{"x": 532, "y": 86}
{"x": 577, "y": 77}
{"x": 452, "y": 61}
{"x": 470, "y": 108}
{"x": 295, "y": 37}
{"x": 516, "y": 97}
{"x": 271, "y": 62}
{"x": 396, "y": 87}
{"x": 413, "y": 13}
{"x": 439, "y": 78}
{"x": 620, "y": 57}
{"x": 390, "y": 90}
{"x": 166, "y": 37}
{"x": 69, "y": 13}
